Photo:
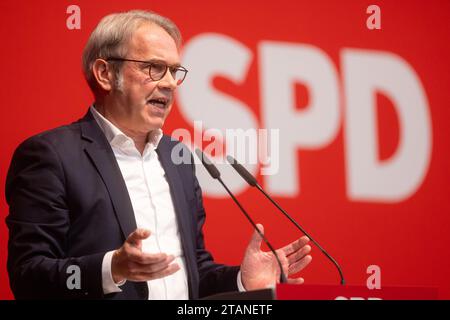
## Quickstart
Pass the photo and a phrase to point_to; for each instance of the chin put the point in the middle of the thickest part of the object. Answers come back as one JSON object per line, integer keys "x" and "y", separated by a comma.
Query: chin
{"x": 154, "y": 124}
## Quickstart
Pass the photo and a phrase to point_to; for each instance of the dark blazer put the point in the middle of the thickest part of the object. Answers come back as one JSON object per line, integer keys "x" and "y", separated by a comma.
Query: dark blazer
{"x": 69, "y": 205}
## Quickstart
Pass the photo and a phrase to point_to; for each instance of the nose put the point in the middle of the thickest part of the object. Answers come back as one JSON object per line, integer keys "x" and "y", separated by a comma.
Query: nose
{"x": 168, "y": 81}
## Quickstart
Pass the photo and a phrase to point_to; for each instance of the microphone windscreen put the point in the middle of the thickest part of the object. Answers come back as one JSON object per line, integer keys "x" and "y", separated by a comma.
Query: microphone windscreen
{"x": 210, "y": 167}
{"x": 242, "y": 171}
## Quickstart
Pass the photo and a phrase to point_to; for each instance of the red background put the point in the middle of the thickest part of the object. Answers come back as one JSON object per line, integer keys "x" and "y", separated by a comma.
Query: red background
{"x": 42, "y": 87}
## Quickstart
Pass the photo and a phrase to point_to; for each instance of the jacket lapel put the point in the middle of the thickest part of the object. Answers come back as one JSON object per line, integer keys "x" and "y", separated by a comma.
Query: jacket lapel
{"x": 102, "y": 156}
{"x": 99, "y": 151}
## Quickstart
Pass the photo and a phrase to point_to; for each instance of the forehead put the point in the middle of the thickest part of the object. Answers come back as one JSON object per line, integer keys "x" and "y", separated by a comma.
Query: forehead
{"x": 150, "y": 41}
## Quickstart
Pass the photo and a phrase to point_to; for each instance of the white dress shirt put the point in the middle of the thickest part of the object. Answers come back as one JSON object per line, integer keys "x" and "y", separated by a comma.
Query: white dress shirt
{"x": 153, "y": 210}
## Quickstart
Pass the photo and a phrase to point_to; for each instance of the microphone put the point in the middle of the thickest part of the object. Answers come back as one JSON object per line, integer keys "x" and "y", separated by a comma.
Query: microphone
{"x": 215, "y": 174}
{"x": 247, "y": 176}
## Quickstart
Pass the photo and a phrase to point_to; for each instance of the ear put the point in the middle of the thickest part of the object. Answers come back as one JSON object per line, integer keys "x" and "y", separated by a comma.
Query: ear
{"x": 103, "y": 74}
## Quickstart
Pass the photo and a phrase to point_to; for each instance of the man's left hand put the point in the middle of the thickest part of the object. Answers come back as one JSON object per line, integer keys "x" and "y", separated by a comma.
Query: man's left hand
{"x": 260, "y": 269}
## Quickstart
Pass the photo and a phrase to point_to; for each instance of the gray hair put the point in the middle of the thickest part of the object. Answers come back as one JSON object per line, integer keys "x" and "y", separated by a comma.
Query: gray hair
{"x": 112, "y": 34}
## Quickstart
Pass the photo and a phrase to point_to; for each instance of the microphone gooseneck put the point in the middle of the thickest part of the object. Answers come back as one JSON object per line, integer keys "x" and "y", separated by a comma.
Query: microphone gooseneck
{"x": 215, "y": 174}
{"x": 247, "y": 176}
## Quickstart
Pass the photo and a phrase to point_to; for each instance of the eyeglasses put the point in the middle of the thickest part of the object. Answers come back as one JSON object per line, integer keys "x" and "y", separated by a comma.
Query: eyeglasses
{"x": 158, "y": 69}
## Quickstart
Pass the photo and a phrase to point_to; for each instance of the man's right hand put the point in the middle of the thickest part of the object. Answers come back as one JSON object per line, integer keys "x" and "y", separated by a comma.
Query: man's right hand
{"x": 130, "y": 263}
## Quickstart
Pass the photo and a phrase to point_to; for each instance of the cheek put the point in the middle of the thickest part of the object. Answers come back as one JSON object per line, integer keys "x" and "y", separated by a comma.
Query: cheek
{"x": 147, "y": 86}
{"x": 141, "y": 88}
{"x": 146, "y": 111}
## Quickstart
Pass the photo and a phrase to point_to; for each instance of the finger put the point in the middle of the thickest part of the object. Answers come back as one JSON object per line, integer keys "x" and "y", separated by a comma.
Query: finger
{"x": 294, "y": 246}
{"x": 296, "y": 256}
{"x": 146, "y": 258}
{"x": 299, "y": 265}
{"x": 137, "y": 236}
{"x": 255, "y": 241}
{"x": 296, "y": 281}
{"x": 146, "y": 276}
{"x": 150, "y": 268}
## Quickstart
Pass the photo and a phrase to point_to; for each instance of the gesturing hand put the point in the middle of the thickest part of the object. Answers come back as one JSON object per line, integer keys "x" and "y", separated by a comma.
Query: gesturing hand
{"x": 260, "y": 269}
{"x": 130, "y": 263}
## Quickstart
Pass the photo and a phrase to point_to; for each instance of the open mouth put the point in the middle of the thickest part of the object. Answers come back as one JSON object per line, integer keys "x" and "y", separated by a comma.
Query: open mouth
{"x": 161, "y": 103}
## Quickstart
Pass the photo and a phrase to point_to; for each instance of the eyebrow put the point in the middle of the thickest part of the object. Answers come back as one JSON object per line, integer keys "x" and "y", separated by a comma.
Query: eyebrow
{"x": 176, "y": 65}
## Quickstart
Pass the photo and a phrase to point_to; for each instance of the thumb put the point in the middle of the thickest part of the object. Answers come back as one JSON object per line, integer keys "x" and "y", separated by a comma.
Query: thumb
{"x": 137, "y": 236}
{"x": 255, "y": 241}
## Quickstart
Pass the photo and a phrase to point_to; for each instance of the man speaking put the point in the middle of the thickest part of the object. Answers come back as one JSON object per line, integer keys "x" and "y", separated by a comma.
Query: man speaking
{"x": 103, "y": 196}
